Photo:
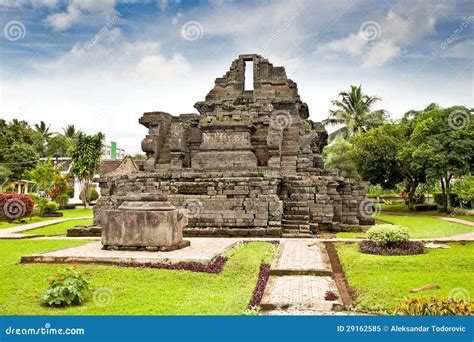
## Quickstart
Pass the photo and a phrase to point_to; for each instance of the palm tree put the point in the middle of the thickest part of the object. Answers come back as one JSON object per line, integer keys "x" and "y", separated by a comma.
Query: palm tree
{"x": 43, "y": 130}
{"x": 70, "y": 132}
{"x": 353, "y": 114}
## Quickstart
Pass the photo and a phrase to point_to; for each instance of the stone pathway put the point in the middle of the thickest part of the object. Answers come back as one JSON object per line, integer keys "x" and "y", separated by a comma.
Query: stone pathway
{"x": 300, "y": 276}
{"x": 202, "y": 250}
{"x": 12, "y": 233}
{"x": 455, "y": 238}
{"x": 456, "y": 220}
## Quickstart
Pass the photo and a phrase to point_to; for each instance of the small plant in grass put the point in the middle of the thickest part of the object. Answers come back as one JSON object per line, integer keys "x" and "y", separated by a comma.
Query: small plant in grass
{"x": 66, "y": 288}
{"x": 421, "y": 306}
{"x": 330, "y": 296}
{"x": 388, "y": 235}
{"x": 252, "y": 311}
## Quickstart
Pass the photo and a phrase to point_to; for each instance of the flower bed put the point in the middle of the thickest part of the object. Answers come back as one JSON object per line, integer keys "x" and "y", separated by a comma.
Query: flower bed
{"x": 215, "y": 267}
{"x": 402, "y": 248}
{"x": 257, "y": 294}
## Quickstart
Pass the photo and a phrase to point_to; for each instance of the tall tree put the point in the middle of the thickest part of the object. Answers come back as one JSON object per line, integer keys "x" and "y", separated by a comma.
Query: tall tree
{"x": 85, "y": 157}
{"x": 444, "y": 142}
{"x": 70, "y": 132}
{"x": 17, "y": 152}
{"x": 353, "y": 114}
{"x": 43, "y": 130}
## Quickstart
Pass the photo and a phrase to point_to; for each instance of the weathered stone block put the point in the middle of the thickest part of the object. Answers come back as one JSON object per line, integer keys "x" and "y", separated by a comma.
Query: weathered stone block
{"x": 144, "y": 221}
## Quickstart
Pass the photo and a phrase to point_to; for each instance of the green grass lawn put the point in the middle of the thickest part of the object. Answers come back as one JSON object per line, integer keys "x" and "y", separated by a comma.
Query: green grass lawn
{"x": 420, "y": 227}
{"x": 70, "y": 213}
{"x": 58, "y": 228}
{"x": 135, "y": 291}
{"x": 403, "y": 209}
{"x": 381, "y": 282}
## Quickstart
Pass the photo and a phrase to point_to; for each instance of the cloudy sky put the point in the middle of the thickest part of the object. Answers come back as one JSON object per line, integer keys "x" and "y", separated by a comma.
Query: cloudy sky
{"x": 99, "y": 64}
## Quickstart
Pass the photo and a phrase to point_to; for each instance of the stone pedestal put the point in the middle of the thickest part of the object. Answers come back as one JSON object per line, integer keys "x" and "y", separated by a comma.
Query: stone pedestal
{"x": 144, "y": 222}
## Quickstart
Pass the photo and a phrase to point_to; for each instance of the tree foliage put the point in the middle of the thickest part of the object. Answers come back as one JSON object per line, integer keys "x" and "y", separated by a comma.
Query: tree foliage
{"x": 86, "y": 156}
{"x": 353, "y": 114}
{"x": 338, "y": 155}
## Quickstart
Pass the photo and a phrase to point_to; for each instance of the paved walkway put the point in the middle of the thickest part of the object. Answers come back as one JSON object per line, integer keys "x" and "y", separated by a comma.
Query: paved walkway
{"x": 456, "y": 220}
{"x": 300, "y": 276}
{"x": 202, "y": 250}
{"x": 12, "y": 233}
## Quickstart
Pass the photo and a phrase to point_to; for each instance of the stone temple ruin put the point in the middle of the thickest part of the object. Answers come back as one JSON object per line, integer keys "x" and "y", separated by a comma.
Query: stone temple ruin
{"x": 248, "y": 164}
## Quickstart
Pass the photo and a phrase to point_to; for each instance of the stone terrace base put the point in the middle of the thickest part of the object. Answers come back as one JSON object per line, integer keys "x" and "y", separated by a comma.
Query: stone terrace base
{"x": 202, "y": 250}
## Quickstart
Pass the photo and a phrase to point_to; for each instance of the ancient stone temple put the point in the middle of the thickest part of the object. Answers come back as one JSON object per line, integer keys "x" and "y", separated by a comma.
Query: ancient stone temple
{"x": 248, "y": 163}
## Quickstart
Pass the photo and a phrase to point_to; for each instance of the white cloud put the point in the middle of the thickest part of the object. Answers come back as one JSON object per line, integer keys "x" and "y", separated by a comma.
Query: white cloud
{"x": 464, "y": 49}
{"x": 106, "y": 88}
{"x": 46, "y": 3}
{"x": 380, "y": 53}
{"x": 76, "y": 10}
{"x": 403, "y": 25}
{"x": 354, "y": 44}
{"x": 12, "y": 3}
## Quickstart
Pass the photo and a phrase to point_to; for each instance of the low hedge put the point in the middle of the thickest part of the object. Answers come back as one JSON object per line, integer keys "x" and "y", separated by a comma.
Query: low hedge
{"x": 425, "y": 207}
{"x": 439, "y": 199}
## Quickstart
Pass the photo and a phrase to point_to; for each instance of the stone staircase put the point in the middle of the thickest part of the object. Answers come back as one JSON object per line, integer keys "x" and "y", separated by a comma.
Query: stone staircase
{"x": 164, "y": 155}
{"x": 295, "y": 221}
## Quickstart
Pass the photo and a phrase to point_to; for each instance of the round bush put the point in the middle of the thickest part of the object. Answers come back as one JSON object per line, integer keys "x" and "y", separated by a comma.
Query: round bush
{"x": 51, "y": 207}
{"x": 388, "y": 235}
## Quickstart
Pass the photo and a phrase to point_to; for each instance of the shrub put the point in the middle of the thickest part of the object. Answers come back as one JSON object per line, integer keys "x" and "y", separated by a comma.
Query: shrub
{"x": 62, "y": 199}
{"x": 388, "y": 235}
{"x": 425, "y": 207}
{"x": 15, "y": 206}
{"x": 433, "y": 306}
{"x": 46, "y": 207}
{"x": 66, "y": 288}
{"x": 51, "y": 207}
{"x": 93, "y": 195}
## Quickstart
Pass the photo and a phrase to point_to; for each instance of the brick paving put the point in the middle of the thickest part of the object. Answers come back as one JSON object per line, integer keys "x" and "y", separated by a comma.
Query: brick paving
{"x": 301, "y": 256}
{"x": 12, "y": 233}
{"x": 300, "y": 276}
{"x": 202, "y": 250}
{"x": 299, "y": 292}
